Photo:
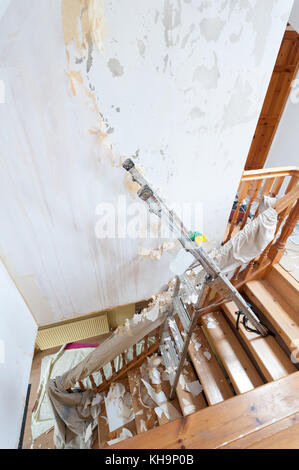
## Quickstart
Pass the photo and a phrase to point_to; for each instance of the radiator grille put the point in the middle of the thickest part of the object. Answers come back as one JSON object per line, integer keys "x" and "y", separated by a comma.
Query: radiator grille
{"x": 52, "y": 336}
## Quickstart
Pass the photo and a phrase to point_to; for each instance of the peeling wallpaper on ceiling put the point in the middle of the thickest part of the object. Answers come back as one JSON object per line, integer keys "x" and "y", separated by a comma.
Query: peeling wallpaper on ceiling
{"x": 177, "y": 85}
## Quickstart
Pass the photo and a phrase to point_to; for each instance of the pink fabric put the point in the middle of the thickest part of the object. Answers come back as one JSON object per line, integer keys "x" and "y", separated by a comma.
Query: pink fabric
{"x": 80, "y": 345}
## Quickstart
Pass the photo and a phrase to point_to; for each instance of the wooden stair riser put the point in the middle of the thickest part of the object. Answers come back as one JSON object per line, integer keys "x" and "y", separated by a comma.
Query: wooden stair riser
{"x": 285, "y": 284}
{"x": 275, "y": 309}
{"x": 208, "y": 370}
{"x": 241, "y": 371}
{"x": 266, "y": 353}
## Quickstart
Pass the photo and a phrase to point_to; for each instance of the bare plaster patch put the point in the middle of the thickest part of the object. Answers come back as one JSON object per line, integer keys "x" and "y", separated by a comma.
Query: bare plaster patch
{"x": 208, "y": 77}
{"x": 89, "y": 58}
{"x": 235, "y": 37}
{"x": 211, "y": 28}
{"x": 196, "y": 113}
{"x": 141, "y": 47}
{"x": 261, "y": 22}
{"x": 238, "y": 109}
{"x": 115, "y": 67}
{"x": 171, "y": 20}
{"x": 187, "y": 36}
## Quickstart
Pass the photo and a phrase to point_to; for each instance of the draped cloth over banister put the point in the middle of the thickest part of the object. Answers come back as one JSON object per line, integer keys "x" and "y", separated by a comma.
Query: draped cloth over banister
{"x": 251, "y": 241}
{"x": 73, "y": 412}
{"x": 134, "y": 330}
{"x": 248, "y": 243}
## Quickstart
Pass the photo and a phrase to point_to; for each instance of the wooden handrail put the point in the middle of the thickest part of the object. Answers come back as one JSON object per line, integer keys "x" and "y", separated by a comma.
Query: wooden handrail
{"x": 286, "y": 200}
{"x": 265, "y": 173}
{"x": 126, "y": 366}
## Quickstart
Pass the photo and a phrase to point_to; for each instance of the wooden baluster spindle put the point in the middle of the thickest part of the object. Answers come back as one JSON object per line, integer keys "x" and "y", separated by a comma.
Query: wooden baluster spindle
{"x": 254, "y": 193}
{"x": 277, "y": 185}
{"x": 263, "y": 257}
{"x": 146, "y": 343}
{"x": 157, "y": 335}
{"x": 82, "y": 386}
{"x": 113, "y": 367}
{"x": 134, "y": 352}
{"x": 277, "y": 250}
{"x": 93, "y": 384}
{"x": 241, "y": 195}
{"x": 104, "y": 380}
{"x": 123, "y": 355}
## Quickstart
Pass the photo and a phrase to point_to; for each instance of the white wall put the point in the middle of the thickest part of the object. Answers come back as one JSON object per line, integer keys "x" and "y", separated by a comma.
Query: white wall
{"x": 3, "y": 6}
{"x": 17, "y": 338}
{"x": 179, "y": 83}
{"x": 294, "y": 17}
{"x": 284, "y": 150}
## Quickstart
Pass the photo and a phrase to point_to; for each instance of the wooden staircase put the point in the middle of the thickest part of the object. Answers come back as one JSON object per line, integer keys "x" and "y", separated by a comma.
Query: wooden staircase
{"x": 225, "y": 365}
{"x": 237, "y": 389}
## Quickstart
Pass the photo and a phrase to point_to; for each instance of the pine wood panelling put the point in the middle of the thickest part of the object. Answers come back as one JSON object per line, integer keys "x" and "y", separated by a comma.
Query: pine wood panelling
{"x": 284, "y": 72}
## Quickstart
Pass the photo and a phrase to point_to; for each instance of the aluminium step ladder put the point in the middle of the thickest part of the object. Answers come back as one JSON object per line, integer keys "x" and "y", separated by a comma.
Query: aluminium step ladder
{"x": 174, "y": 347}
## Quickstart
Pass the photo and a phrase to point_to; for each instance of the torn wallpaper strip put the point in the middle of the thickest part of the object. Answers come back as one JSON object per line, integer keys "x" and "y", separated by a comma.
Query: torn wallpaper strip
{"x": 119, "y": 407}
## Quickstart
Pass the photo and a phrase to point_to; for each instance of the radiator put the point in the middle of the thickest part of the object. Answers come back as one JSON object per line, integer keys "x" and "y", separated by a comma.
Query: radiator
{"x": 70, "y": 331}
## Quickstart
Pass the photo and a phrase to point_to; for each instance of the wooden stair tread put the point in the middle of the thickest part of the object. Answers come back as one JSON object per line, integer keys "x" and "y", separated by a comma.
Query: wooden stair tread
{"x": 131, "y": 426}
{"x": 142, "y": 414}
{"x": 285, "y": 439}
{"x": 189, "y": 403}
{"x": 164, "y": 386}
{"x": 275, "y": 308}
{"x": 211, "y": 376}
{"x": 282, "y": 434}
{"x": 285, "y": 284}
{"x": 240, "y": 369}
{"x": 226, "y": 422}
{"x": 271, "y": 358}
{"x": 104, "y": 433}
{"x": 163, "y": 419}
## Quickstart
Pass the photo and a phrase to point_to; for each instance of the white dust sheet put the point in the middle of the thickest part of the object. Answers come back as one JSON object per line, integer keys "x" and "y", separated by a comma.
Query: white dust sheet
{"x": 52, "y": 366}
{"x": 57, "y": 364}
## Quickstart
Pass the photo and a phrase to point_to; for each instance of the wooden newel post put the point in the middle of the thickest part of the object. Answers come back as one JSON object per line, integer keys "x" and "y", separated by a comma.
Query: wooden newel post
{"x": 277, "y": 250}
{"x": 263, "y": 257}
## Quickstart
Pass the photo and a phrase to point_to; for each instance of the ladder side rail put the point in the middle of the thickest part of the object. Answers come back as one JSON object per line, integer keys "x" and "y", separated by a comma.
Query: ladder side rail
{"x": 183, "y": 355}
{"x": 177, "y": 226}
{"x": 164, "y": 325}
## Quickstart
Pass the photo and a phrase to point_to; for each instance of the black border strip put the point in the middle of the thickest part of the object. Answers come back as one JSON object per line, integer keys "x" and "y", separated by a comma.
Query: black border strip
{"x": 24, "y": 417}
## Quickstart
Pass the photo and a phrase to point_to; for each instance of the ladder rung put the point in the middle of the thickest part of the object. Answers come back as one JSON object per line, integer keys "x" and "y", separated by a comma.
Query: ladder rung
{"x": 169, "y": 346}
{"x": 180, "y": 309}
{"x": 176, "y": 334}
{"x": 189, "y": 287}
{"x": 167, "y": 364}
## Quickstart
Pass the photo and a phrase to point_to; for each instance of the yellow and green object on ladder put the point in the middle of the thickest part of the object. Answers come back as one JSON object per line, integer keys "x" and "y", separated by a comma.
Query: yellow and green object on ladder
{"x": 198, "y": 237}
